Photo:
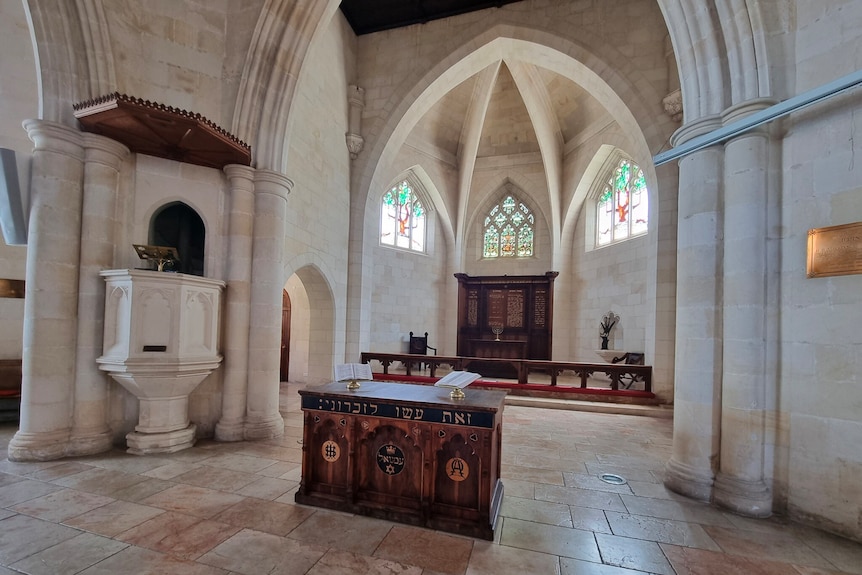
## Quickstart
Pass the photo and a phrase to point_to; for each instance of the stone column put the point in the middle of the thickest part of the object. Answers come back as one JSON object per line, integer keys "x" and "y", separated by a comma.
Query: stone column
{"x": 741, "y": 483}
{"x": 263, "y": 420}
{"x": 697, "y": 376}
{"x": 231, "y": 426}
{"x": 103, "y": 158}
{"x": 51, "y": 293}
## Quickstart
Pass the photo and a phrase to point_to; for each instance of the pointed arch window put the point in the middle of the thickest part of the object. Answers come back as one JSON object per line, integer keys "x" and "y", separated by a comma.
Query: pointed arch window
{"x": 402, "y": 219}
{"x": 508, "y": 230}
{"x": 623, "y": 205}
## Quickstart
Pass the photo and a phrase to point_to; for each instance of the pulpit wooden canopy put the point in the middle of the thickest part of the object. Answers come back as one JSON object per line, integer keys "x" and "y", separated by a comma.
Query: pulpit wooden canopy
{"x": 157, "y": 130}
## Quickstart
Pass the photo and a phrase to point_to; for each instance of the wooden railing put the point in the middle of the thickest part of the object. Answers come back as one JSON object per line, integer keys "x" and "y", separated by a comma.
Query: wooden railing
{"x": 621, "y": 375}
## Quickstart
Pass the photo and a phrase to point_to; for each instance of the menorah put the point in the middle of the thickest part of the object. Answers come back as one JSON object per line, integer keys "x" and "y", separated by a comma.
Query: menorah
{"x": 497, "y": 330}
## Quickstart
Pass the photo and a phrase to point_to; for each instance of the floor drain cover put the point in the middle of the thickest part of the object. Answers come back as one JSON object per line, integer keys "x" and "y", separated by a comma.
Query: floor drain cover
{"x": 612, "y": 479}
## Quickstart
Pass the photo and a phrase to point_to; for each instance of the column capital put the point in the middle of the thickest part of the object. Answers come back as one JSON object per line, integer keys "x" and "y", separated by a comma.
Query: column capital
{"x": 743, "y": 109}
{"x": 695, "y": 128}
{"x": 273, "y": 183}
{"x": 55, "y": 137}
{"x": 239, "y": 172}
{"x": 102, "y": 150}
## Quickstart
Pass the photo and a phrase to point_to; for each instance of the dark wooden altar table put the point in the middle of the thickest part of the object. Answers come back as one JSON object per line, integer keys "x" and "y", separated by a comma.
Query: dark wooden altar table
{"x": 405, "y": 453}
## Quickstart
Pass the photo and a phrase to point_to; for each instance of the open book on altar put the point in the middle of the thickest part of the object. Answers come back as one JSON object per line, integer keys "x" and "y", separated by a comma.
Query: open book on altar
{"x": 353, "y": 372}
{"x": 458, "y": 379}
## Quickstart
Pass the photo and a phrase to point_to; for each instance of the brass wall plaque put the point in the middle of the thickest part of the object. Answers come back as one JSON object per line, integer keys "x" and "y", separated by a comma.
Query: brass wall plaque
{"x": 835, "y": 251}
{"x": 11, "y": 288}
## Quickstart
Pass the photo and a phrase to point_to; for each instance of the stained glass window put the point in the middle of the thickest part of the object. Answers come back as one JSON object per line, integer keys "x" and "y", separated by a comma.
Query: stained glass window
{"x": 623, "y": 205}
{"x": 402, "y": 219}
{"x": 508, "y": 230}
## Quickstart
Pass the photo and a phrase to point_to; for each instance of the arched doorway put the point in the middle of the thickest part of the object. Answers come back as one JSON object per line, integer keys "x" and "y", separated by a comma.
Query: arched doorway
{"x": 284, "y": 366}
{"x": 179, "y": 226}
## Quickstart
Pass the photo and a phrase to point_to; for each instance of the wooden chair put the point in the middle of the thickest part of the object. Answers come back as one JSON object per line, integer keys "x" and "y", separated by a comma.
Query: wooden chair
{"x": 419, "y": 345}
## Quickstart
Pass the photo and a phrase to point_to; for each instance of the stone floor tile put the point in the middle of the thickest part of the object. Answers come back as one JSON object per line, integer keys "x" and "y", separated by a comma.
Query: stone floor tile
{"x": 518, "y": 488}
{"x": 171, "y": 470}
{"x": 291, "y": 453}
{"x": 660, "y": 530}
{"x": 688, "y": 561}
{"x": 492, "y": 559}
{"x": 585, "y": 481}
{"x": 764, "y": 545}
{"x": 22, "y": 536}
{"x": 589, "y": 519}
{"x": 840, "y": 552}
{"x": 137, "y": 561}
{"x": 216, "y": 478}
{"x": 633, "y": 554}
{"x": 342, "y": 531}
{"x": 62, "y": 505}
{"x": 24, "y": 468}
{"x": 142, "y": 490}
{"x": 70, "y": 556}
{"x": 278, "y": 469}
{"x": 532, "y": 474}
{"x": 267, "y": 516}
{"x": 578, "y": 567}
{"x": 8, "y": 479}
{"x": 580, "y": 497}
{"x": 113, "y": 518}
{"x": 653, "y": 490}
{"x": 244, "y": 462}
{"x": 119, "y": 460}
{"x": 561, "y": 541}
{"x": 537, "y": 511}
{"x": 691, "y": 511}
{"x": 347, "y": 563}
{"x": 25, "y": 490}
{"x": 254, "y": 553}
{"x": 180, "y": 535}
{"x": 99, "y": 480}
{"x": 60, "y": 470}
{"x": 428, "y": 549}
{"x": 192, "y": 500}
{"x": 631, "y": 474}
{"x": 267, "y": 488}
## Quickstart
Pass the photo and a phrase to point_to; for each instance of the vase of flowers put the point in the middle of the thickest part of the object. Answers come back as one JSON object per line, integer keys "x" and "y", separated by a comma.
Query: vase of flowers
{"x": 607, "y": 324}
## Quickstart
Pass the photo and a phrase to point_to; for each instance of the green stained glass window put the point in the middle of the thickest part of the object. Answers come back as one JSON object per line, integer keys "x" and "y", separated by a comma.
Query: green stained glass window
{"x": 402, "y": 219}
{"x": 508, "y": 230}
{"x": 622, "y": 208}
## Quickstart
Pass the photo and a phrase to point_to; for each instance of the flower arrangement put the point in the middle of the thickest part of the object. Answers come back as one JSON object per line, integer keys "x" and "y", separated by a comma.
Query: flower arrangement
{"x": 608, "y": 323}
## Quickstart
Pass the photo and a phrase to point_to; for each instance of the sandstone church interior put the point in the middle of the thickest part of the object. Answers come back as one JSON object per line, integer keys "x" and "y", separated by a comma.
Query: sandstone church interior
{"x": 667, "y": 160}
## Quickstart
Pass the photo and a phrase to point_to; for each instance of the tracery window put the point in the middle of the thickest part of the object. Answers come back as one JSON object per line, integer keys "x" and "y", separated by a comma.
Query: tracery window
{"x": 508, "y": 230}
{"x": 402, "y": 219}
{"x": 623, "y": 205}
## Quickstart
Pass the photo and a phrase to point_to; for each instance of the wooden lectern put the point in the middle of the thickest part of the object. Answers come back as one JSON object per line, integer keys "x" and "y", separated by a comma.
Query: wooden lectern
{"x": 404, "y": 453}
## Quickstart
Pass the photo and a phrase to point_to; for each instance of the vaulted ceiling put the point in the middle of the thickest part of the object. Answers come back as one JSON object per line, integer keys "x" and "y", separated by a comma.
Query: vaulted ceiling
{"x": 367, "y": 16}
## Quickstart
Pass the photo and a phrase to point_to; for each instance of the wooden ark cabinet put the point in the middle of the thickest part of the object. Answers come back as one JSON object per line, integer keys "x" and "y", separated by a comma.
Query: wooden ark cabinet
{"x": 405, "y": 453}
{"x": 521, "y": 305}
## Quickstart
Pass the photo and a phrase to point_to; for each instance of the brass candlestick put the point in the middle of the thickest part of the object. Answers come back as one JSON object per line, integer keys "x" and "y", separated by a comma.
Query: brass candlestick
{"x": 457, "y": 393}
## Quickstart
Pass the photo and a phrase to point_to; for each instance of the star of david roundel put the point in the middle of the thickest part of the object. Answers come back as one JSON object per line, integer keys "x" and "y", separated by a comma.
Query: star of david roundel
{"x": 390, "y": 459}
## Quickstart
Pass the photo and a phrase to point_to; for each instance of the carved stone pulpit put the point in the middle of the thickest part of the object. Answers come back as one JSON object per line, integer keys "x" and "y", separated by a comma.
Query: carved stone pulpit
{"x": 160, "y": 342}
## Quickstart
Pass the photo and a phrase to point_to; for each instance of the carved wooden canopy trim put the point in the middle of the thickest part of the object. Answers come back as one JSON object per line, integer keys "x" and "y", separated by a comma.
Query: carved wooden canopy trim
{"x": 157, "y": 130}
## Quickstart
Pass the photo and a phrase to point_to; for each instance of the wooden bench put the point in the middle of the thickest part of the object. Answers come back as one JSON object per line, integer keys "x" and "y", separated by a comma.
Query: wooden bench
{"x": 10, "y": 389}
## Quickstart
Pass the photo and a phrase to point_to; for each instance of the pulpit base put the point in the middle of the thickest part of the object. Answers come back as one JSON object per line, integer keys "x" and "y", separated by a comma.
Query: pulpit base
{"x": 161, "y": 442}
